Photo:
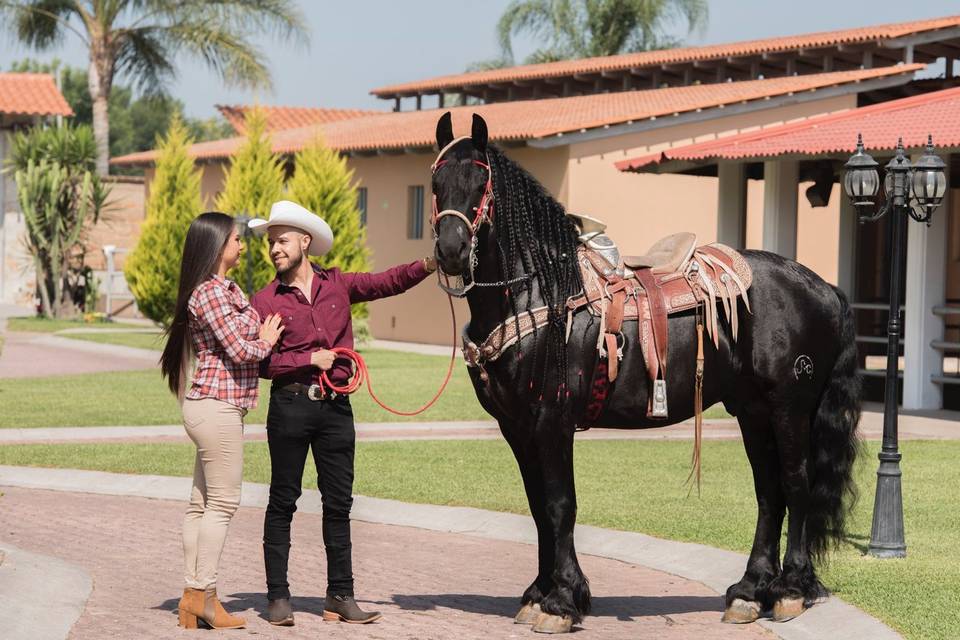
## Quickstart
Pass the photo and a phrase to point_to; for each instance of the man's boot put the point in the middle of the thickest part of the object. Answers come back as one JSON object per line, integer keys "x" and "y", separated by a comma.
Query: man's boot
{"x": 279, "y": 612}
{"x": 345, "y": 609}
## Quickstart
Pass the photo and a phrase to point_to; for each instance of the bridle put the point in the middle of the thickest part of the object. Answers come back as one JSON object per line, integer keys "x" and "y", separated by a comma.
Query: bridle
{"x": 483, "y": 213}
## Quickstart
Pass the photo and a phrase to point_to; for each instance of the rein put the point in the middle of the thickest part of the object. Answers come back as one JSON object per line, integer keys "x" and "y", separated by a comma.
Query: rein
{"x": 362, "y": 374}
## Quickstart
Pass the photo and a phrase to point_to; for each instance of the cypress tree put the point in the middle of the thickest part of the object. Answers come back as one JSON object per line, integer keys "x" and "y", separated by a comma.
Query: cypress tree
{"x": 153, "y": 268}
{"x": 324, "y": 184}
{"x": 254, "y": 181}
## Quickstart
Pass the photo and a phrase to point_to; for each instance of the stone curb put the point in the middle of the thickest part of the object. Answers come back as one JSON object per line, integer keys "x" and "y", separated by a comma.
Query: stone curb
{"x": 41, "y": 597}
{"x": 715, "y": 568}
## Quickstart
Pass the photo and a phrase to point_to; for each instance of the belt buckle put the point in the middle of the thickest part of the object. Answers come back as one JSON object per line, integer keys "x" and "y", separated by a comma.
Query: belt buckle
{"x": 314, "y": 392}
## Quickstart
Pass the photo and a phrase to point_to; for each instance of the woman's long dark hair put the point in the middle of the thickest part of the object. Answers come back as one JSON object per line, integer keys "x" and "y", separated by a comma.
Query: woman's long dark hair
{"x": 202, "y": 248}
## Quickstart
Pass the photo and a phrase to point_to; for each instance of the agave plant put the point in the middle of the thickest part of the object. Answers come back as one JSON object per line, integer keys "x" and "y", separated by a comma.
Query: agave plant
{"x": 60, "y": 196}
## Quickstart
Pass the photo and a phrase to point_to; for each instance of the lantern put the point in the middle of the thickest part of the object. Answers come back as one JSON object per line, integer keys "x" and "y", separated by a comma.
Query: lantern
{"x": 861, "y": 181}
{"x": 929, "y": 182}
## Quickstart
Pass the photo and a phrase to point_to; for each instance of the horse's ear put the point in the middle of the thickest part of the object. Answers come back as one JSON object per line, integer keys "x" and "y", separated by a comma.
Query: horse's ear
{"x": 479, "y": 134}
{"x": 444, "y": 130}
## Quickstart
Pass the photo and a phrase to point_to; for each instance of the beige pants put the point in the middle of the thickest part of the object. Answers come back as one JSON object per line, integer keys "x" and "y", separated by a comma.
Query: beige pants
{"x": 216, "y": 427}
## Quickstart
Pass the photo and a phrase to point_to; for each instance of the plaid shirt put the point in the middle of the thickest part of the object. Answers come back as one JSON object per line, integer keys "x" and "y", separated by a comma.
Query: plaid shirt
{"x": 223, "y": 332}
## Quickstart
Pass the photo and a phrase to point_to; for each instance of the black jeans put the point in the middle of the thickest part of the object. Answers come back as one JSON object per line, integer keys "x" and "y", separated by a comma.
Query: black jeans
{"x": 294, "y": 424}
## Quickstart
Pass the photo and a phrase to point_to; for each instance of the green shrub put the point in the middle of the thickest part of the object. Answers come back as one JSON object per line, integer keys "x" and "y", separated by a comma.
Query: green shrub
{"x": 323, "y": 183}
{"x": 254, "y": 181}
{"x": 153, "y": 268}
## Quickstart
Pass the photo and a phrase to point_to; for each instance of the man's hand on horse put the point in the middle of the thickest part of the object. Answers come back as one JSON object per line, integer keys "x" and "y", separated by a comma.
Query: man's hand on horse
{"x": 430, "y": 264}
{"x": 323, "y": 359}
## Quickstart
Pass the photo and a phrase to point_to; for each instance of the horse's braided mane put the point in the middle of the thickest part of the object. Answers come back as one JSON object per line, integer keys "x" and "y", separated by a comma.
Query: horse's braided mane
{"x": 536, "y": 237}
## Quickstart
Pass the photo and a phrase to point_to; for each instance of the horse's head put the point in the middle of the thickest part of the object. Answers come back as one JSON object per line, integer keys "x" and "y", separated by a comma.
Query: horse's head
{"x": 462, "y": 196}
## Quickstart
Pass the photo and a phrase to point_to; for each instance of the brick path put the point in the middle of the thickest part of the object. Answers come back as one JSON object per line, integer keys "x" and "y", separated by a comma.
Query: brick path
{"x": 428, "y": 584}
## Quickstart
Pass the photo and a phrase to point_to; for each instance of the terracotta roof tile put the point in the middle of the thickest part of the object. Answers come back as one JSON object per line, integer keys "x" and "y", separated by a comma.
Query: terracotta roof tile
{"x": 32, "y": 94}
{"x": 279, "y": 118}
{"x": 532, "y": 119}
{"x": 936, "y": 114}
{"x": 668, "y": 56}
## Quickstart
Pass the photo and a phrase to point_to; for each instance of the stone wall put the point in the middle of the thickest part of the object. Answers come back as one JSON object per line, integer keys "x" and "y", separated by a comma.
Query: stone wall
{"x": 119, "y": 226}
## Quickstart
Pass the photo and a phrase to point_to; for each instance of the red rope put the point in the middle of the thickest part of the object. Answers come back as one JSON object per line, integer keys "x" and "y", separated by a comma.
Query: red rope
{"x": 361, "y": 373}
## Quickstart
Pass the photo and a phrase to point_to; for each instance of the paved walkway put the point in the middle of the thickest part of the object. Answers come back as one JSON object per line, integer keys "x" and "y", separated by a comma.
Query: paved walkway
{"x": 445, "y": 573}
{"x": 32, "y": 355}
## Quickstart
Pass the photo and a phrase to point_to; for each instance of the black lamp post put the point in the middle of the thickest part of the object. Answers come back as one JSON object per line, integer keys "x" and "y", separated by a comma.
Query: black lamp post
{"x": 914, "y": 191}
{"x": 242, "y": 220}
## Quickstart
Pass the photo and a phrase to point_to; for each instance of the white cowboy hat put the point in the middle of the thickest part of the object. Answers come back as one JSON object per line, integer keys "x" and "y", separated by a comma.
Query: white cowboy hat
{"x": 290, "y": 214}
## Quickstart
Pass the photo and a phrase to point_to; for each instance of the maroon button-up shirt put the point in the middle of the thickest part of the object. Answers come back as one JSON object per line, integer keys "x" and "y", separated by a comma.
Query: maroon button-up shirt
{"x": 324, "y": 321}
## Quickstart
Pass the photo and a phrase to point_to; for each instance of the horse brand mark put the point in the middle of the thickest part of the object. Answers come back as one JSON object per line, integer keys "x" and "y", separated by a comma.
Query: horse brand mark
{"x": 803, "y": 367}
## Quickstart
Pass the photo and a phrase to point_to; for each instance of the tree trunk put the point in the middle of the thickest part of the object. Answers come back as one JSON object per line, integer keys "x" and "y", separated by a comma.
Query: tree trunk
{"x": 99, "y": 88}
{"x": 43, "y": 287}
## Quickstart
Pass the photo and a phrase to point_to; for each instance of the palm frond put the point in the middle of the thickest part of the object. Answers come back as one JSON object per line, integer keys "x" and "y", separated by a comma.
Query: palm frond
{"x": 144, "y": 57}
{"x": 232, "y": 56}
{"x": 278, "y": 18}
{"x": 532, "y": 16}
{"x": 38, "y": 23}
{"x": 490, "y": 64}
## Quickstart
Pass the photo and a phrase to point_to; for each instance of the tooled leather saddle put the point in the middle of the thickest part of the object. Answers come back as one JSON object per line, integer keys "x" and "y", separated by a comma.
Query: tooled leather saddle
{"x": 673, "y": 277}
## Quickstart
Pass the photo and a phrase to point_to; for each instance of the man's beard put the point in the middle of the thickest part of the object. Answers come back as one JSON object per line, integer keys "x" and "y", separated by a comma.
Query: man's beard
{"x": 292, "y": 265}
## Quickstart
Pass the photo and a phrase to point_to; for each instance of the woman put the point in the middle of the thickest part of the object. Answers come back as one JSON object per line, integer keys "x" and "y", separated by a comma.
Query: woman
{"x": 213, "y": 320}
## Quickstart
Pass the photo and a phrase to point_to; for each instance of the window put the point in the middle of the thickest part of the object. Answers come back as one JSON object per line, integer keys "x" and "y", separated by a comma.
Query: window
{"x": 362, "y": 205}
{"x": 415, "y": 212}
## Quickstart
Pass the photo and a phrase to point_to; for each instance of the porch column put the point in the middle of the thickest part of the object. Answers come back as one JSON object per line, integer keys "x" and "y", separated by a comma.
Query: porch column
{"x": 780, "y": 184}
{"x": 925, "y": 288}
{"x": 847, "y": 249}
{"x": 731, "y": 204}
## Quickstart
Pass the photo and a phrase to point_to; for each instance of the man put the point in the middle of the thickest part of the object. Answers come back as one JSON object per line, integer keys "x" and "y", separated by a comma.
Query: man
{"x": 315, "y": 307}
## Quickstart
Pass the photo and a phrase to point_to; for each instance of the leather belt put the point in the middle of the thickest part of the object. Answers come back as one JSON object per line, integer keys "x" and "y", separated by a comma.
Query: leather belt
{"x": 312, "y": 391}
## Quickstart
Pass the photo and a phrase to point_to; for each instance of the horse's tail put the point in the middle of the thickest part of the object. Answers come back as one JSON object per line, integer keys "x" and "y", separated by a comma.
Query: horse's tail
{"x": 835, "y": 443}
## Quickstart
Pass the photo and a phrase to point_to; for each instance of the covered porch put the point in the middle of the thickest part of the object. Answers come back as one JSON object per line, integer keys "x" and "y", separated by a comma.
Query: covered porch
{"x": 800, "y": 165}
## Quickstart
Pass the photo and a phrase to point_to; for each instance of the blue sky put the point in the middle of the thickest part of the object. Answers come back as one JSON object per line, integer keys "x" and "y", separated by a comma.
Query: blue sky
{"x": 357, "y": 45}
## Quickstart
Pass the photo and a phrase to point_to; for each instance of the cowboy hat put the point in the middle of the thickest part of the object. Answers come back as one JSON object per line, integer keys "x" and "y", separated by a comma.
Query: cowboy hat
{"x": 290, "y": 214}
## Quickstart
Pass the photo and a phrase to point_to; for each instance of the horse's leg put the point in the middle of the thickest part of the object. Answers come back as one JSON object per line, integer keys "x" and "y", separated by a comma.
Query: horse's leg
{"x": 797, "y": 587}
{"x": 569, "y": 599}
{"x": 526, "y": 455}
{"x": 743, "y": 599}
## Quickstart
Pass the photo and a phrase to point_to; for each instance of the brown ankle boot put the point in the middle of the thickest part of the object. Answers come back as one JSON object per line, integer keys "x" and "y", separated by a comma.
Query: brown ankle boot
{"x": 204, "y": 604}
{"x": 215, "y": 615}
{"x": 192, "y": 600}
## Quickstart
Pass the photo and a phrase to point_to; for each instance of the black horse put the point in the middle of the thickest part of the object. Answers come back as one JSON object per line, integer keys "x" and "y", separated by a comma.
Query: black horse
{"x": 514, "y": 248}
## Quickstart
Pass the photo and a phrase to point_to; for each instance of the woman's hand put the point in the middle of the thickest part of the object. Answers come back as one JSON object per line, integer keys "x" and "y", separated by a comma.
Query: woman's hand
{"x": 271, "y": 328}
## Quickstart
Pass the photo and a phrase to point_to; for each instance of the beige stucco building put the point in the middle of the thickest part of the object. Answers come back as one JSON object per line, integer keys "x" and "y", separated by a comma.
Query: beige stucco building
{"x": 570, "y": 123}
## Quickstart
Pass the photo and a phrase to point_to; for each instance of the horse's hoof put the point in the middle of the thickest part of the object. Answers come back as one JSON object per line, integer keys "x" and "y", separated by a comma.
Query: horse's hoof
{"x": 787, "y": 609}
{"x": 528, "y": 613}
{"x": 741, "y": 612}
{"x": 547, "y": 623}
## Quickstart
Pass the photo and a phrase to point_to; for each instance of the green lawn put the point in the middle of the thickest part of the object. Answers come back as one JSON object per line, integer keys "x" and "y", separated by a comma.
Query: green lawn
{"x": 153, "y": 341}
{"x": 48, "y": 325}
{"x": 402, "y": 380}
{"x": 638, "y": 486}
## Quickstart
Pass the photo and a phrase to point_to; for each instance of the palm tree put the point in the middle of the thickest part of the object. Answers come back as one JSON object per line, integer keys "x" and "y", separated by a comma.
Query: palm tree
{"x": 589, "y": 28}
{"x": 141, "y": 39}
